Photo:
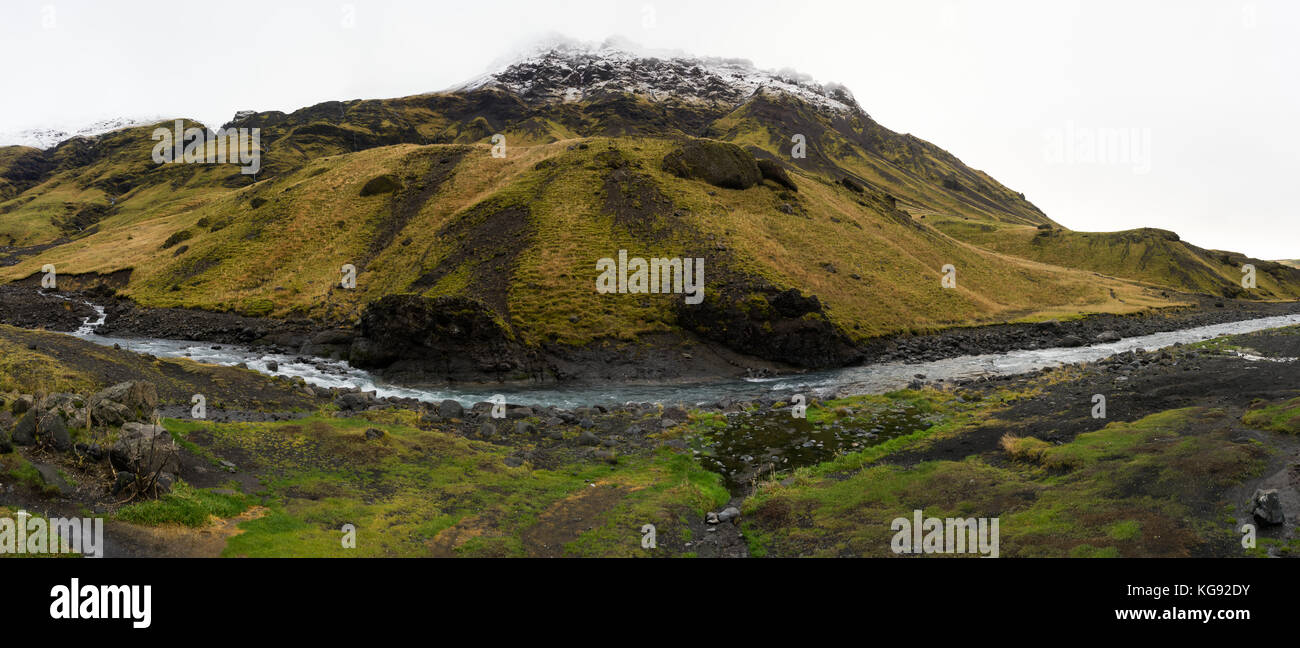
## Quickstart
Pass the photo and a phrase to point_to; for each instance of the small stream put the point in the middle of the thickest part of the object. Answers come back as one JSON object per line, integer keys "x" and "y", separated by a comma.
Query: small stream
{"x": 870, "y": 379}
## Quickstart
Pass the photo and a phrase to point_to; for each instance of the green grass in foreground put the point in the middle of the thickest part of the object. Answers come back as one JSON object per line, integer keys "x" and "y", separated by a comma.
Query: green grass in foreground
{"x": 1130, "y": 489}
{"x": 419, "y": 492}
{"x": 1281, "y": 416}
{"x": 12, "y": 514}
{"x": 184, "y": 505}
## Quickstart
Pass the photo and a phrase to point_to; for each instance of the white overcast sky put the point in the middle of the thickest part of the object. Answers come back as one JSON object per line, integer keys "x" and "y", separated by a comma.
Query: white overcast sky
{"x": 1213, "y": 83}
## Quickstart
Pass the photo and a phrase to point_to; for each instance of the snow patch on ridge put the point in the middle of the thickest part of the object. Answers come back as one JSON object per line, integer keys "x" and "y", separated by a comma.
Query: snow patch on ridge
{"x": 51, "y": 136}
{"x": 562, "y": 69}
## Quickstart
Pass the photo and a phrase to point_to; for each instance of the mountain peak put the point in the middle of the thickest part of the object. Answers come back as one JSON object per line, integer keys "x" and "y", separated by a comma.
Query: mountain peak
{"x": 562, "y": 69}
{"x": 51, "y": 136}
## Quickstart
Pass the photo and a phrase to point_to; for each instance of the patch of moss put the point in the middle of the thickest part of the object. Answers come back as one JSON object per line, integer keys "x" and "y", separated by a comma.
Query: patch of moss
{"x": 1277, "y": 417}
{"x": 1146, "y": 488}
{"x": 423, "y": 492}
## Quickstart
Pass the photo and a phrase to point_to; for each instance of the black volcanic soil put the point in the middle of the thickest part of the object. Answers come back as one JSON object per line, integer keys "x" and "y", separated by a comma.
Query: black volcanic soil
{"x": 999, "y": 338}
{"x": 1135, "y": 386}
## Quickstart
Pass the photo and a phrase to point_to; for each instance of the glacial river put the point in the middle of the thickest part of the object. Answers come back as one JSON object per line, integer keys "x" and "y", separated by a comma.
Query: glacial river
{"x": 872, "y": 379}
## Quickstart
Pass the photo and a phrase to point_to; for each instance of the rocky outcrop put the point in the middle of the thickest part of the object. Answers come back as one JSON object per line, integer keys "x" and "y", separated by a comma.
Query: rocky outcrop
{"x": 44, "y": 425}
{"x": 784, "y": 326}
{"x": 25, "y": 429}
{"x": 773, "y": 171}
{"x": 144, "y": 450}
{"x": 448, "y": 337}
{"x": 133, "y": 400}
{"x": 721, "y": 164}
{"x": 1266, "y": 507}
{"x": 48, "y": 421}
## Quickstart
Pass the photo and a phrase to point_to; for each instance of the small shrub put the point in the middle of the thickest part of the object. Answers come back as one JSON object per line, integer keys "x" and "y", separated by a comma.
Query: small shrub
{"x": 183, "y": 235}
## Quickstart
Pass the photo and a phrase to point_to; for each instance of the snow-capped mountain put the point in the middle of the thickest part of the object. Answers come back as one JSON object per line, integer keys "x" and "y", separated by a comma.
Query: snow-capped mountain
{"x": 49, "y": 137}
{"x": 567, "y": 70}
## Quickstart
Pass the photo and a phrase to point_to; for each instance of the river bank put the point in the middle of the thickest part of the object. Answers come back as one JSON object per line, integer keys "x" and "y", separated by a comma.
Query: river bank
{"x": 279, "y": 466}
{"x": 656, "y": 359}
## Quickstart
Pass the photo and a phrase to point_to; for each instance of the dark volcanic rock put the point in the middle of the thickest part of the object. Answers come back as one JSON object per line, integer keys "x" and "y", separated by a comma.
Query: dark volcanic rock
{"x": 25, "y": 430}
{"x": 445, "y": 336}
{"x": 136, "y": 401}
{"x": 773, "y": 171}
{"x": 54, "y": 431}
{"x": 1266, "y": 507}
{"x": 450, "y": 409}
{"x": 851, "y": 185}
{"x": 22, "y": 404}
{"x": 24, "y": 307}
{"x": 355, "y": 401}
{"x": 721, "y": 164}
{"x": 774, "y": 325}
{"x": 51, "y": 478}
{"x": 144, "y": 449}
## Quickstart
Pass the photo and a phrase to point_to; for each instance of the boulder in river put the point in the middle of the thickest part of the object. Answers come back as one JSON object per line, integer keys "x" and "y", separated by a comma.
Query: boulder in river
{"x": 1109, "y": 336}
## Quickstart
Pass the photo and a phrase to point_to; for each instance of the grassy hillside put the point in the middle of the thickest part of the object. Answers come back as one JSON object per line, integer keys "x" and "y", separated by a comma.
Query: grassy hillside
{"x": 406, "y": 190}
{"x": 910, "y": 169}
{"x": 276, "y": 247}
{"x": 1148, "y": 255}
